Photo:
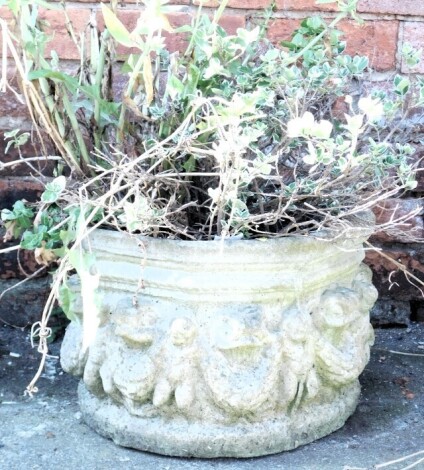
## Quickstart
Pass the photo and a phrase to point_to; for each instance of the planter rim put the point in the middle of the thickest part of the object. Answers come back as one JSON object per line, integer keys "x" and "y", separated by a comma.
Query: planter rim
{"x": 330, "y": 237}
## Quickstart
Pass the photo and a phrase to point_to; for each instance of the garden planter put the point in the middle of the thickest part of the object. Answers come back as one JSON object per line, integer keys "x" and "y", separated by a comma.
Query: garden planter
{"x": 236, "y": 348}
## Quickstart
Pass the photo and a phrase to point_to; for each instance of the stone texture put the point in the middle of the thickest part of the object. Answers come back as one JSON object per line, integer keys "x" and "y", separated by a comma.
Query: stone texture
{"x": 388, "y": 312}
{"x": 238, "y": 440}
{"x": 375, "y": 39}
{"x": 268, "y": 364}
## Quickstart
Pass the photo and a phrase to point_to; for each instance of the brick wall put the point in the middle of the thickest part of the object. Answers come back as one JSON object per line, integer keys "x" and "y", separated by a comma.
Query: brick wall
{"x": 388, "y": 25}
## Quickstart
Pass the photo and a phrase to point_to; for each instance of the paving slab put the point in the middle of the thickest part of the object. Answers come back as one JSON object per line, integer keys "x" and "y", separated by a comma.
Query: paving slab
{"x": 47, "y": 432}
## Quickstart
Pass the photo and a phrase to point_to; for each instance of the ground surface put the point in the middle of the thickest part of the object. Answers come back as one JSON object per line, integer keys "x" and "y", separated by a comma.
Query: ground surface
{"x": 46, "y": 432}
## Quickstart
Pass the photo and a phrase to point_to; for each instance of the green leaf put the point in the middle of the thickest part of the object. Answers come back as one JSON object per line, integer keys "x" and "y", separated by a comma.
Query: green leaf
{"x": 66, "y": 298}
{"x": 70, "y": 82}
{"x": 247, "y": 37}
{"x": 82, "y": 260}
{"x": 190, "y": 164}
{"x": 314, "y": 22}
{"x": 31, "y": 241}
{"x": 11, "y": 134}
{"x": 401, "y": 85}
{"x": 118, "y": 31}
{"x": 19, "y": 211}
{"x": 54, "y": 190}
{"x": 175, "y": 87}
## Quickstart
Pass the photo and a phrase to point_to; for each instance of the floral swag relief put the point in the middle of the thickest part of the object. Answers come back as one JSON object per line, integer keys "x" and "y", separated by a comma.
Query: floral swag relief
{"x": 217, "y": 368}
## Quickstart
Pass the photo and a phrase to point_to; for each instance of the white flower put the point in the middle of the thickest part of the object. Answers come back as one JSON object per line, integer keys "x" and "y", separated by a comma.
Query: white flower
{"x": 372, "y": 107}
{"x": 322, "y": 129}
{"x": 306, "y": 126}
{"x": 215, "y": 194}
{"x": 296, "y": 127}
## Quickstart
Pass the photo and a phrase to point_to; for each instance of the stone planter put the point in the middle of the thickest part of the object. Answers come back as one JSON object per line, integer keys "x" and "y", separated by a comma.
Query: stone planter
{"x": 209, "y": 349}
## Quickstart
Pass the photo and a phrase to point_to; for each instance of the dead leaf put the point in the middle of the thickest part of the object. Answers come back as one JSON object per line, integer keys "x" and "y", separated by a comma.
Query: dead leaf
{"x": 148, "y": 79}
{"x": 131, "y": 105}
{"x": 44, "y": 255}
{"x": 9, "y": 234}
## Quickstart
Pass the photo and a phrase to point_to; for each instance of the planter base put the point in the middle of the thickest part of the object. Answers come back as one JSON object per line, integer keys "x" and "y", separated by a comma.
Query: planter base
{"x": 178, "y": 437}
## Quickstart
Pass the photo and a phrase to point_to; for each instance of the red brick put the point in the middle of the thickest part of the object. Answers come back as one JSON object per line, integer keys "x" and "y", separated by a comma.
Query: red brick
{"x": 396, "y": 7}
{"x": 305, "y": 5}
{"x": 244, "y": 4}
{"x": 393, "y": 209}
{"x": 413, "y": 33}
{"x": 375, "y": 39}
{"x": 62, "y": 43}
{"x": 55, "y": 26}
{"x": 281, "y": 29}
{"x": 232, "y": 22}
{"x": 14, "y": 188}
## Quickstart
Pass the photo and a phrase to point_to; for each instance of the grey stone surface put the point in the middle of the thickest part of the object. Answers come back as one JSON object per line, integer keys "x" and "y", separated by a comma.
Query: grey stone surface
{"x": 180, "y": 437}
{"x": 228, "y": 349}
{"x": 389, "y": 312}
{"x": 47, "y": 432}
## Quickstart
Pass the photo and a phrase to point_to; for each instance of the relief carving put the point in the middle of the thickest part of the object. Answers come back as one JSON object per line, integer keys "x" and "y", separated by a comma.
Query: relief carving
{"x": 228, "y": 364}
{"x": 344, "y": 331}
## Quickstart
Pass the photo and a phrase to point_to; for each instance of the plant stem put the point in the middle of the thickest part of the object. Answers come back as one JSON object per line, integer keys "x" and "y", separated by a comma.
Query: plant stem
{"x": 76, "y": 128}
{"x": 130, "y": 87}
{"x": 98, "y": 83}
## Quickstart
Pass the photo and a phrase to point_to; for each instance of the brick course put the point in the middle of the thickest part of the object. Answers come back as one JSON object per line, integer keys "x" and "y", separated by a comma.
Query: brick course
{"x": 394, "y": 7}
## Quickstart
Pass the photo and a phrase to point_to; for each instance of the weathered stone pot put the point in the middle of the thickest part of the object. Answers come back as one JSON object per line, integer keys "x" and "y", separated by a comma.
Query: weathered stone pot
{"x": 207, "y": 349}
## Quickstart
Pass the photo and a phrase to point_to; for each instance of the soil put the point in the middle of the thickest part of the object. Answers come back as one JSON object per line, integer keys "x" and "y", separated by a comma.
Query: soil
{"x": 47, "y": 432}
